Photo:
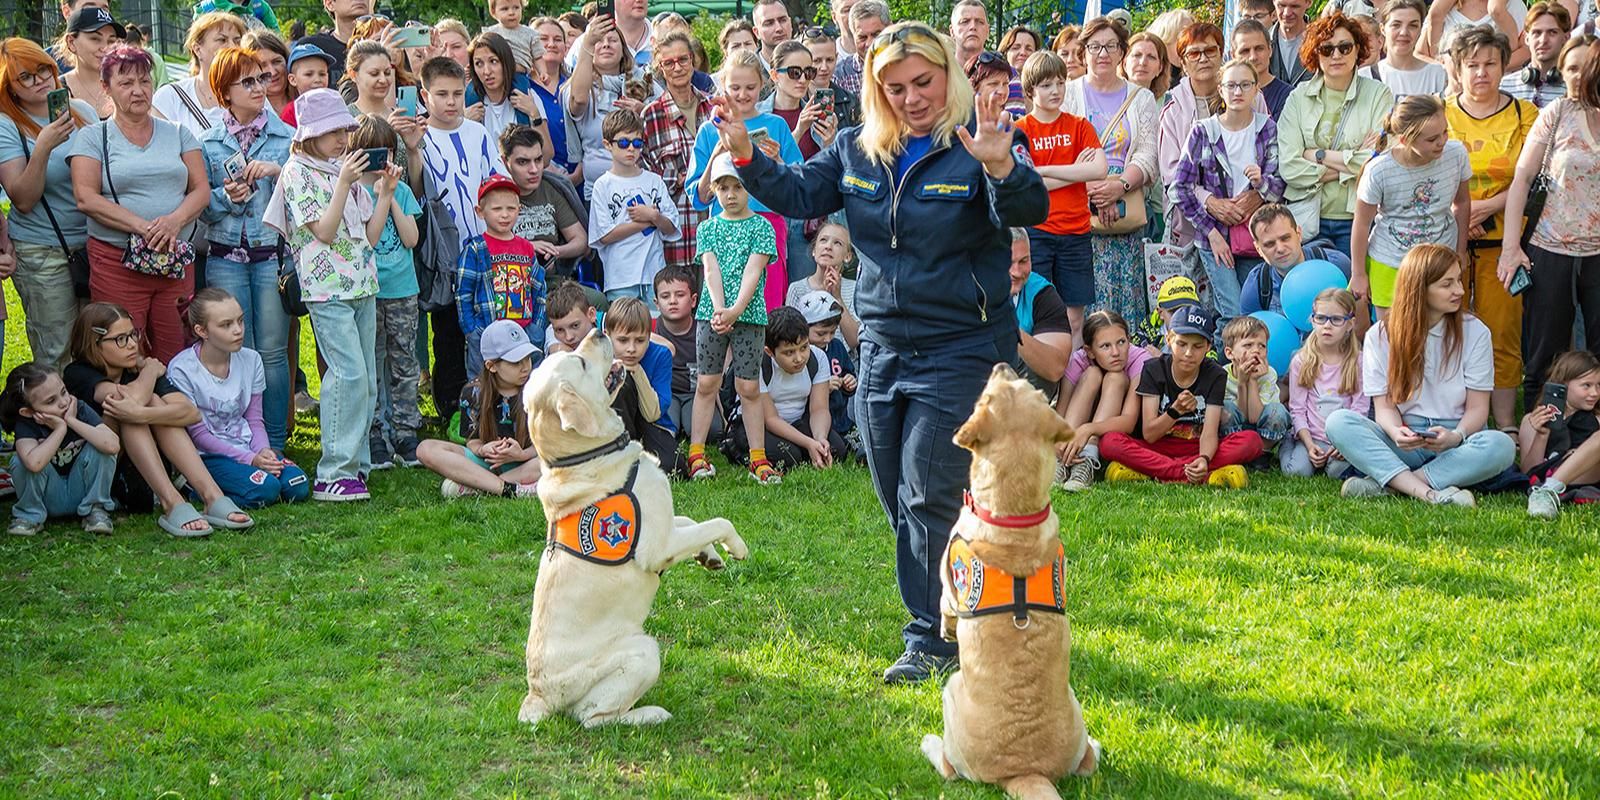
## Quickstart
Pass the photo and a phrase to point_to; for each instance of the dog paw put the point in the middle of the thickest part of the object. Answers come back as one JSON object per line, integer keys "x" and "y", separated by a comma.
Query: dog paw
{"x": 709, "y": 559}
{"x": 645, "y": 715}
{"x": 735, "y": 547}
{"x": 532, "y": 712}
{"x": 933, "y": 748}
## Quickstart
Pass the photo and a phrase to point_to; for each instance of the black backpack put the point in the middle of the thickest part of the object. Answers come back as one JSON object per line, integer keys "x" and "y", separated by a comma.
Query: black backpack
{"x": 437, "y": 251}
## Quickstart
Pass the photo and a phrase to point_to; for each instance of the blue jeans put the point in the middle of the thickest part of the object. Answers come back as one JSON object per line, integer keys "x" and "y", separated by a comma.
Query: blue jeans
{"x": 1226, "y": 284}
{"x": 1338, "y": 232}
{"x": 643, "y": 291}
{"x": 1295, "y": 459}
{"x": 266, "y": 331}
{"x": 47, "y": 493}
{"x": 908, "y": 407}
{"x": 255, "y": 488}
{"x": 346, "y": 331}
{"x": 1364, "y": 443}
{"x": 1272, "y": 425}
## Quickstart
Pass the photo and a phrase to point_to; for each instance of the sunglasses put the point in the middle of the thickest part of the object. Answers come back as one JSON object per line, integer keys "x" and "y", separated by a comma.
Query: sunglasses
{"x": 903, "y": 34}
{"x": 1197, "y": 53}
{"x": 797, "y": 73}
{"x": 635, "y": 143}
{"x": 819, "y": 32}
{"x": 1342, "y": 48}
{"x": 252, "y": 83}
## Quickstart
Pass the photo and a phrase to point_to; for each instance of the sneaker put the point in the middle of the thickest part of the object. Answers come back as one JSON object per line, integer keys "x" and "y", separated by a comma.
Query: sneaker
{"x": 22, "y": 527}
{"x": 454, "y": 491}
{"x": 1116, "y": 472}
{"x": 340, "y": 491}
{"x": 1453, "y": 496}
{"x": 764, "y": 473}
{"x": 1544, "y": 503}
{"x": 1232, "y": 476}
{"x": 304, "y": 403}
{"x": 98, "y": 521}
{"x": 405, "y": 452}
{"x": 1062, "y": 470}
{"x": 916, "y": 666}
{"x": 1079, "y": 477}
{"x": 852, "y": 438}
{"x": 700, "y": 467}
{"x": 528, "y": 489}
{"x": 381, "y": 457}
{"x": 1361, "y": 486}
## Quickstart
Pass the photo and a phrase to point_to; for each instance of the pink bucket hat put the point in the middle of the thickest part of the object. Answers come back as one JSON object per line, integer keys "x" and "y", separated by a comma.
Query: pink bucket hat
{"x": 321, "y": 111}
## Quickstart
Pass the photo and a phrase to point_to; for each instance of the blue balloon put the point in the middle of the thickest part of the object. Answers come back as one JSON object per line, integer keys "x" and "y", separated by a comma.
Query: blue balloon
{"x": 1283, "y": 340}
{"x": 1302, "y": 285}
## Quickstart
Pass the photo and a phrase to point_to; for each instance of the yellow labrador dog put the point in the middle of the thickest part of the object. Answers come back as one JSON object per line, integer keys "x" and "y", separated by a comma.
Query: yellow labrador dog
{"x": 610, "y": 534}
{"x": 1010, "y": 717}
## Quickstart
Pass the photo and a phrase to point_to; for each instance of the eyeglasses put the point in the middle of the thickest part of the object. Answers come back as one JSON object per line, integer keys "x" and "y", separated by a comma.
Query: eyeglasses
{"x": 636, "y": 143}
{"x": 32, "y": 79}
{"x": 796, "y": 73}
{"x": 1325, "y": 319}
{"x": 1238, "y": 86}
{"x": 1198, "y": 53}
{"x": 369, "y": 17}
{"x": 252, "y": 83}
{"x": 1343, "y": 48}
{"x": 1101, "y": 48}
{"x": 903, "y": 34}
{"x": 123, "y": 340}
{"x": 675, "y": 63}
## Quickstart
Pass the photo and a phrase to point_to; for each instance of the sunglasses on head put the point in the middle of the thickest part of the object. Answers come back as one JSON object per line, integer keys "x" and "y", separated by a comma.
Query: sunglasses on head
{"x": 797, "y": 73}
{"x": 818, "y": 32}
{"x": 1342, "y": 48}
{"x": 635, "y": 143}
{"x": 903, "y": 34}
{"x": 988, "y": 57}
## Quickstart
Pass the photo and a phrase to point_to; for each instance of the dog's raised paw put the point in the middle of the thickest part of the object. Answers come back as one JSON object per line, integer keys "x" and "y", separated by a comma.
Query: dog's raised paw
{"x": 709, "y": 559}
{"x": 736, "y": 547}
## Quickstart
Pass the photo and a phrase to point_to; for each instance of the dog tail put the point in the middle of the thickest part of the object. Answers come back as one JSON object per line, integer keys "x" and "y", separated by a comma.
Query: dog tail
{"x": 1030, "y": 787}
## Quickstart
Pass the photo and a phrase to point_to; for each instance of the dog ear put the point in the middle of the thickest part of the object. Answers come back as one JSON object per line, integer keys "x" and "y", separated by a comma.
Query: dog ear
{"x": 976, "y": 429}
{"x": 575, "y": 414}
{"x": 1057, "y": 429}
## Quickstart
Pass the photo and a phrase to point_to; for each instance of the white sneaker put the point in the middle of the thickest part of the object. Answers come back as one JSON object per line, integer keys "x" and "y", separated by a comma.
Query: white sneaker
{"x": 1361, "y": 487}
{"x": 1453, "y": 496}
{"x": 1079, "y": 477}
{"x": 452, "y": 490}
{"x": 1544, "y": 503}
{"x": 528, "y": 489}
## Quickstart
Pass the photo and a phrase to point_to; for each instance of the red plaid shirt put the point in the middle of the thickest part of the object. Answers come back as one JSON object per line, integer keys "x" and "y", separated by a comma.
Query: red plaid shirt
{"x": 669, "y": 145}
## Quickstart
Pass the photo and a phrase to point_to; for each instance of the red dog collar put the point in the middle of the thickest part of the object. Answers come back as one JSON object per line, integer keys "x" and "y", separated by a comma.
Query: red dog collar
{"x": 1004, "y": 521}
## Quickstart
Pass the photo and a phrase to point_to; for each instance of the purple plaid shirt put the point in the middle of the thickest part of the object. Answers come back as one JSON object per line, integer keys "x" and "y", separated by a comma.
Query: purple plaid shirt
{"x": 669, "y": 146}
{"x": 1201, "y": 168}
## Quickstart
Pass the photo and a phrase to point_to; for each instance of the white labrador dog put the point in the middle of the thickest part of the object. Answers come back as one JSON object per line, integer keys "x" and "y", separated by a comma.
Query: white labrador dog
{"x": 610, "y": 534}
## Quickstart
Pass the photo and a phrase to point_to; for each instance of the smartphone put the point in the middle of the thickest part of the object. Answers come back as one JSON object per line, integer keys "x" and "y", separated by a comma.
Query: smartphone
{"x": 233, "y": 167}
{"x": 377, "y": 158}
{"x": 1520, "y": 280}
{"x": 1555, "y": 394}
{"x": 406, "y": 100}
{"x": 1426, "y": 434}
{"x": 608, "y": 8}
{"x": 57, "y": 102}
{"x": 414, "y": 36}
{"x": 825, "y": 97}
{"x": 758, "y": 136}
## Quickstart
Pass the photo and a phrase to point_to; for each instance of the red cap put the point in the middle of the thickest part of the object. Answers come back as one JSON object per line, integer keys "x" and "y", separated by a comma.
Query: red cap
{"x": 497, "y": 182}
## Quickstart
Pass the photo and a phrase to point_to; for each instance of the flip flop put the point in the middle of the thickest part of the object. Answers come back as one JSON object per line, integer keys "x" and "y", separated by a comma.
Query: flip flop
{"x": 218, "y": 512}
{"x": 182, "y": 514}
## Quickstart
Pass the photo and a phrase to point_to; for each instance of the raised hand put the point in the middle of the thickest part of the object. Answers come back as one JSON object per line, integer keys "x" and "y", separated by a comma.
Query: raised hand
{"x": 991, "y": 145}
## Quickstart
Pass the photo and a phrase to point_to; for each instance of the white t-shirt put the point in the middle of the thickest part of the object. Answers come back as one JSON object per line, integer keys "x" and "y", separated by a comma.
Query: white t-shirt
{"x": 1240, "y": 147}
{"x": 1429, "y": 79}
{"x": 1455, "y": 20}
{"x": 460, "y": 161}
{"x": 1413, "y": 202}
{"x": 171, "y": 106}
{"x": 791, "y": 393}
{"x": 635, "y": 260}
{"x": 1443, "y": 394}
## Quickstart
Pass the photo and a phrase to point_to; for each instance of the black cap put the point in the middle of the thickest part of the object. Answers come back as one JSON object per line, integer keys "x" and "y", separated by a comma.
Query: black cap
{"x": 93, "y": 18}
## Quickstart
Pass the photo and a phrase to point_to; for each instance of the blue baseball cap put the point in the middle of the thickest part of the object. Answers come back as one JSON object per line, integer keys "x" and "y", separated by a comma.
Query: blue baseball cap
{"x": 308, "y": 50}
{"x": 1193, "y": 319}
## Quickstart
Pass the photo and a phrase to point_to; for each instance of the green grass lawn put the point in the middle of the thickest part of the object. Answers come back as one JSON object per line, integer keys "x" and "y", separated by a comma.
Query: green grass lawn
{"x": 1275, "y": 642}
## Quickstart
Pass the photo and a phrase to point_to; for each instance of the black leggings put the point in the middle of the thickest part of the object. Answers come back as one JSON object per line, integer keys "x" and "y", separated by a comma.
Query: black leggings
{"x": 780, "y": 451}
{"x": 1562, "y": 287}
{"x": 449, "y": 361}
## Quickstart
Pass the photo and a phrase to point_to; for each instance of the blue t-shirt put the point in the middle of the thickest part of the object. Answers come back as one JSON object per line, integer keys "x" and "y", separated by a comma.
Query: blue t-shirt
{"x": 397, "y": 274}
{"x": 705, "y": 141}
{"x": 555, "y": 126}
{"x": 657, "y": 365}
{"x": 916, "y": 147}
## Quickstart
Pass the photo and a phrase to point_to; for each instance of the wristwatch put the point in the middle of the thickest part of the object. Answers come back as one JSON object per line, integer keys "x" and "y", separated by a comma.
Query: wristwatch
{"x": 1126, "y": 187}
{"x": 1321, "y": 154}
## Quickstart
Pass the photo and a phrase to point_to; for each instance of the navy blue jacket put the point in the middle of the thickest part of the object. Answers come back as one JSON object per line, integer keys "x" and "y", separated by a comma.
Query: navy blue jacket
{"x": 934, "y": 251}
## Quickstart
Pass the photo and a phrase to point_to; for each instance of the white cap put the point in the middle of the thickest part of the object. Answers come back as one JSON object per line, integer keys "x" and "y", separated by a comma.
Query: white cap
{"x": 722, "y": 167}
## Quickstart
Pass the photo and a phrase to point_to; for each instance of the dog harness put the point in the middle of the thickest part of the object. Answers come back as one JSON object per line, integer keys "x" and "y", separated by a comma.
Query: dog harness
{"x": 981, "y": 590}
{"x": 603, "y": 532}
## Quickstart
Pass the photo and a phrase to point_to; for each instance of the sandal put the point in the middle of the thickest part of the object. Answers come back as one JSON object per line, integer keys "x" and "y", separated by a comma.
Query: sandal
{"x": 173, "y": 522}
{"x": 220, "y": 514}
{"x": 764, "y": 473}
{"x": 700, "y": 467}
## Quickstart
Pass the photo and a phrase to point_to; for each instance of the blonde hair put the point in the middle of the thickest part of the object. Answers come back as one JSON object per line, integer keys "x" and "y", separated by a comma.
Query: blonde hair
{"x": 1409, "y": 115}
{"x": 452, "y": 25}
{"x": 628, "y": 315}
{"x": 743, "y": 59}
{"x": 203, "y": 25}
{"x": 1168, "y": 26}
{"x": 1240, "y": 62}
{"x": 883, "y": 137}
{"x": 1349, "y": 348}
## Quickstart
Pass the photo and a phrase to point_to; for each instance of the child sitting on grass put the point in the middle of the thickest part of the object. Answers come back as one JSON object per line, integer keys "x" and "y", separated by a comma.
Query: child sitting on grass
{"x": 1324, "y": 377}
{"x": 1559, "y": 449}
{"x": 66, "y": 457}
{"x": 831, "y": 251}
{"x": 677, "y": 293}
{"x": 1252, "y": 399}
{"x": 793, "y": 405}
{"x": 1175, "y": 293}
{"x": 824, "y": 318}
{"x": 572, "y": 316}
{"x": 498, "y": 458}
{"x": 1099, "y": 397}
{"x": 735, "y": 246}
{"x": 641, "y": 382}
{"x": 1179, "y": 434}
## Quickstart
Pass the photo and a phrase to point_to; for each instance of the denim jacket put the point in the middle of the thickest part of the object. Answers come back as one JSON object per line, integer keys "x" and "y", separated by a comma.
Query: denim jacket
{"x": 227, "y": 218}
{"x": 934, "y": 248}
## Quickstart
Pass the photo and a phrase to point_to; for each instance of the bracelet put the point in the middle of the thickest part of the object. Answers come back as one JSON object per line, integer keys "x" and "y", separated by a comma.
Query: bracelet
{"x": 744, "y": 162}
{"x": 1460, "y": 433}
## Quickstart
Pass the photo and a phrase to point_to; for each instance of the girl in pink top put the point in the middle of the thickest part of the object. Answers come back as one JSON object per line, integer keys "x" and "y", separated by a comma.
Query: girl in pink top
{"x": 1098, "y": 396}
{"x": 1323, "y": 377}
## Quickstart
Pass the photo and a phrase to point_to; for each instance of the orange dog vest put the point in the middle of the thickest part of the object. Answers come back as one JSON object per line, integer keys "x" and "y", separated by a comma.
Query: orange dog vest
{"x": 605, "y": 531}
{"x": 981, "y": 589}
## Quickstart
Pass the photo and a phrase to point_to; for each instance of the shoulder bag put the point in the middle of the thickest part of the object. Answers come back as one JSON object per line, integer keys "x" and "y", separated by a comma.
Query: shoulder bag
{"x": 138, "y": 256}
{"x": 77, "y": 260}
{"x": 1539, "y": 188}
{"x": 1134, "y": 216}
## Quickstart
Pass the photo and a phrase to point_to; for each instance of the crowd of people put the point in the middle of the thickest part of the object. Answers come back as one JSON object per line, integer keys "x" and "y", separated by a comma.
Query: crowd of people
{"x": 446, "y": 207}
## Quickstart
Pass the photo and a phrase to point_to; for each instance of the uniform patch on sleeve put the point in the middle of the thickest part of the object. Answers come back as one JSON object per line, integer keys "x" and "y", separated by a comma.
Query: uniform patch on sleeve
{"x": 1020, "y": 152}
